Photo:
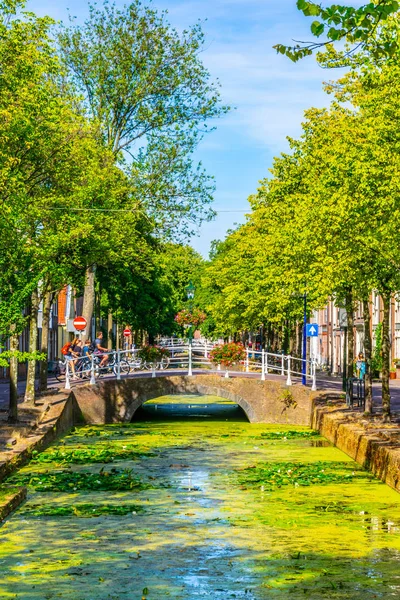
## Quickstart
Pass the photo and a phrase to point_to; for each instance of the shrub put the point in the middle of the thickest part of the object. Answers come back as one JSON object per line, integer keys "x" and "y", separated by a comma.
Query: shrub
{"x": 228, "y": 354}
{"x": 188, "y": 318}
{"x": 152, "y": 354}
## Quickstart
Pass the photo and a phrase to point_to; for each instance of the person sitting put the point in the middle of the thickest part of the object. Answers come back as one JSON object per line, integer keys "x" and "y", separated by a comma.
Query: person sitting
{"x": 99, "y": 349}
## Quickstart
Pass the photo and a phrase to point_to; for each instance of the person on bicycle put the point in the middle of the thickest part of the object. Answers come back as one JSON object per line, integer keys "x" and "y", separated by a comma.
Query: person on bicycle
{"x": 86, "y": 350}
{"x": 99, "y": 349}
{"x": 71, "y": 356}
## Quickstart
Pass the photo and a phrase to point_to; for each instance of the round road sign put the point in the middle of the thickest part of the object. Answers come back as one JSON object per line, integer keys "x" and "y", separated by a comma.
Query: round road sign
{"x": 127, "y": 332}
{"x": 80, "y": 323}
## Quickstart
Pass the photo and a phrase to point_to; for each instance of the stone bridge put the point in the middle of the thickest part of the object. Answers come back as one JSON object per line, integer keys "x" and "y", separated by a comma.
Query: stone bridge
{"x": 112, "y": 401}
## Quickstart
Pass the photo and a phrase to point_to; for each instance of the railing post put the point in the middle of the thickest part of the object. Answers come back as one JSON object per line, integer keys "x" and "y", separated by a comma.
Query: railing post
{"x": 67, "y": 380}
{"x": 283, "y": 366}
{"x": 314, "y": 377}
{"x": 92, "y": 377}
{"x": 289, "y": 378}
{"x": 190, "y": 371}
{"x": 226, "y": 374}
{"x": 218, "y": 367}
{"x": 262, "y": 365}
{"x": 247, "y": 360}
{"x": 266, "y": 363}
{"x": 205, "y": 349}
{"x": 153, "y": 369}
{"x": 118, "y": 365}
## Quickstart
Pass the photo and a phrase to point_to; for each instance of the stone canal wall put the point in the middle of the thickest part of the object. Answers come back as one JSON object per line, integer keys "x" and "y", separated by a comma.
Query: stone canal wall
{"x": 371, "y": 443}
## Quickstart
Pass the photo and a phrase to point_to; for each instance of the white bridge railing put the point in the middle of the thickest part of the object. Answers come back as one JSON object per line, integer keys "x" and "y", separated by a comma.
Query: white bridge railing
{"x": 185, "y": 358}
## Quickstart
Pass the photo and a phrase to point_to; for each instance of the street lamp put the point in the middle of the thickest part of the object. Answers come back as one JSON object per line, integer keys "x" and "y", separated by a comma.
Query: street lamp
{"x": 190, "y": 290}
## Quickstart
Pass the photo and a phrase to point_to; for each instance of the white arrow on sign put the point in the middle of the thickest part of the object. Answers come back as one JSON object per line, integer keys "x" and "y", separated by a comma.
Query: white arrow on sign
{"x": 313, "y": 330}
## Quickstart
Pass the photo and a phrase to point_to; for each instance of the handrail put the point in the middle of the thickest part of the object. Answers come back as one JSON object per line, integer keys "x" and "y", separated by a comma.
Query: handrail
{"x": 185, "y": 357}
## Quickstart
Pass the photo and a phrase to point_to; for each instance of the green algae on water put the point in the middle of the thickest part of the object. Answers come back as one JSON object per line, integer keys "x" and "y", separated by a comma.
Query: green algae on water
{"x": 200, "y": 523}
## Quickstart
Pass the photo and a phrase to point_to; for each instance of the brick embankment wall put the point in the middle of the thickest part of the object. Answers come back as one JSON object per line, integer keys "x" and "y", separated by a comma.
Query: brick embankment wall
{"x": 371, "y": 443}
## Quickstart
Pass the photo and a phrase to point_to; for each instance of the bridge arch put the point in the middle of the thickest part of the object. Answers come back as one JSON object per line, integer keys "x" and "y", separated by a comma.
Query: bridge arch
{"x": 112, "y": 401}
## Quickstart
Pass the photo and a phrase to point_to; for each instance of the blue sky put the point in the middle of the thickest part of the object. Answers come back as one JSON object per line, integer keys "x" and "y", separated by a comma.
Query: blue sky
{"x": 268, "y": 91}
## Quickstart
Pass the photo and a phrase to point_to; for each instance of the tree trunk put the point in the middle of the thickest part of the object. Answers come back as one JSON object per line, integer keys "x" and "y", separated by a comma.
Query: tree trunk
{"x": 110, "y": 331}
{"x": 350, "y": 335}
{"x": 368, "y": 356}
{"x": 387, "y": 301}
{"x": 88, "y": 298}
{"x": 44, "y": 347}
{"x": 13, "y": 407}
{"x": 33, "y": 335}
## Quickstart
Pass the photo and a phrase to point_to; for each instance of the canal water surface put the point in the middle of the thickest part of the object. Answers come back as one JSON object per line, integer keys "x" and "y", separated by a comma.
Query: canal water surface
{"x": 192, "y": 501}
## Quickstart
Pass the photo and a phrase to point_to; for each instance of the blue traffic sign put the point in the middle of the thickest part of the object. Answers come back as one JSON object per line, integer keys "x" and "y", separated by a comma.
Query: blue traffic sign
{"x": 312, "y": 330}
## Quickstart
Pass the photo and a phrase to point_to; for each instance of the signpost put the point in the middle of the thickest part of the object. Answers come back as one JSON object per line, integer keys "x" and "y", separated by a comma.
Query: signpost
{"x": 127, "y": 334}
{"x": 80, "y": 323}
{"x": 312, "y": 330}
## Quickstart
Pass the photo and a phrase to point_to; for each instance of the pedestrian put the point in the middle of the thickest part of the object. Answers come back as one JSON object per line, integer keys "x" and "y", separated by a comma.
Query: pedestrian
{"x": 361, "y": 366}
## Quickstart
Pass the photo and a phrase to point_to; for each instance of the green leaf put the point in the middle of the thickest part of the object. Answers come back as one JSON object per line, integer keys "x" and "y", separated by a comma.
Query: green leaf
{"x": 317, "y": 28}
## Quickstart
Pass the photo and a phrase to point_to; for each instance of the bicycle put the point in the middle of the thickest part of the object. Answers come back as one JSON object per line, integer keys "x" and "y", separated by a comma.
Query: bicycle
{"x": 111, "y": 366}
{"x": 159, "y": 366}
{"x": 82, "y": 369}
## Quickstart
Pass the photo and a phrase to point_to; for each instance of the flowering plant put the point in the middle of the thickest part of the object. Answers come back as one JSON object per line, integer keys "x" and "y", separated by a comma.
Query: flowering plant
{"x": 152, "y": 354}
{"x": 187, "y": 318}
{"x": 228, "y": 354}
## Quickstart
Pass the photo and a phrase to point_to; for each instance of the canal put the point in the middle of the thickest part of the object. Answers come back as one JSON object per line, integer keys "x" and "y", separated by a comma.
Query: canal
{"x": 191, "y": 501}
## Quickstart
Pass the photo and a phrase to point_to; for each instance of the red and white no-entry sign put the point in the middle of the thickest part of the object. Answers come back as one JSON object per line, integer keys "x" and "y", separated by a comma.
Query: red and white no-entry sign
{"x": 80, "y": 323}
{"x": 127, "y": 332}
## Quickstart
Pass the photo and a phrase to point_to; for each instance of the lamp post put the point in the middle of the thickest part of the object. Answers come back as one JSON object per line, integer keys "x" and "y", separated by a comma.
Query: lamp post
{"x": 190, "y": 290}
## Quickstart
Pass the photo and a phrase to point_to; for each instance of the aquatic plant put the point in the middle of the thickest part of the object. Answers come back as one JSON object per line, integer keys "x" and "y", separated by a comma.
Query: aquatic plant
{"x": 290, "y": 434}
{"x": 68, "y": 481}
{"x": 272, "y": 475}
{"x": 89, "y": 454}
{"x": 79, "y": 510}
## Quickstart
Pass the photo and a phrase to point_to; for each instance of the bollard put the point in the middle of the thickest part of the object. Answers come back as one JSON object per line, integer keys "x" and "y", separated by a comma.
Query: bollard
{"x": 67, "y": 380}
{"x": 92, "y": 377}
{"x": 289, "y": 378}
{"x": 314, "y": 377}
{"x": 283, "y": 366}
{"x": 263, "y": 365}
{"x": 247, "y": 360}
{"x": 190, "y": 372}
{"x": 118, "y": 365}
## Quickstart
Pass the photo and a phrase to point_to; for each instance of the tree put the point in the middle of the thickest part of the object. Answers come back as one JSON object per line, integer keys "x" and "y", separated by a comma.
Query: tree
{"x": 149, "y": 290}
{"x": 355, "y": 25}
{"x": 146, "y": 86}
